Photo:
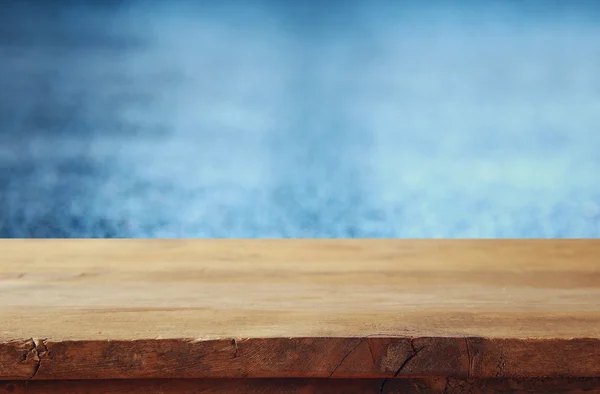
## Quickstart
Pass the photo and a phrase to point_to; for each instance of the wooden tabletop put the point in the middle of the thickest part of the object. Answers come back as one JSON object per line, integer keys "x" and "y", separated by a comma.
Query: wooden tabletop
{"x": 107, "y": 309}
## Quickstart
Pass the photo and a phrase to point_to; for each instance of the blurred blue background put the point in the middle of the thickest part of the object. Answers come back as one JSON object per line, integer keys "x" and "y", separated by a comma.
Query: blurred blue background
{"x": 300, "y": 119}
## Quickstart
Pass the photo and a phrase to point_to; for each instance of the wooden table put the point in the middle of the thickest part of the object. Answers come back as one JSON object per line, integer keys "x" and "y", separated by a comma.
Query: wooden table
{"x": 299, "y": 316}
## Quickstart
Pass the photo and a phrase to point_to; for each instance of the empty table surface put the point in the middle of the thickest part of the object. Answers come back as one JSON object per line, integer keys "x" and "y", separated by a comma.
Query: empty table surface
{"x": 100, "y": 309}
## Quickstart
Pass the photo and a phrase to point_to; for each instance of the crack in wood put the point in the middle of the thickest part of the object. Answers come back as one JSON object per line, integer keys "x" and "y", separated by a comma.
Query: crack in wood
{"x": 371, "y": 353}
{"x": 346, "y": 356}
{"x": 415, "y": 352}
{"x": 40, "y": 349}
{"x": 235, "y": 345}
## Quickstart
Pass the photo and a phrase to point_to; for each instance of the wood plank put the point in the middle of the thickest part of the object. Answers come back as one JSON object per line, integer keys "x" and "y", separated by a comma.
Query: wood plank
{"x": 108, "y": 309}
{"x": 435, "y": 385}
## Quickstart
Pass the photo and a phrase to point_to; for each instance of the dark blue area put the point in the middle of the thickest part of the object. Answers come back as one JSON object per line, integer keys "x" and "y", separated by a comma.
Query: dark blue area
{"x": 299, "y": 119}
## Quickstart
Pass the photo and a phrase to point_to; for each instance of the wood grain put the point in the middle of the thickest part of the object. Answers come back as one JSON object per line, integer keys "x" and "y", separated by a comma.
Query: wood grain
{"x": 437, "y": 385}
{"x": 143, "y": 309}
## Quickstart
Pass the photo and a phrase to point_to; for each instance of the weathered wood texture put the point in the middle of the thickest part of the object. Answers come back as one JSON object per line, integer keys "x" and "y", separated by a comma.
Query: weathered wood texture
{"x": 437, "y": 385}
{"x": 142, "y": 309}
